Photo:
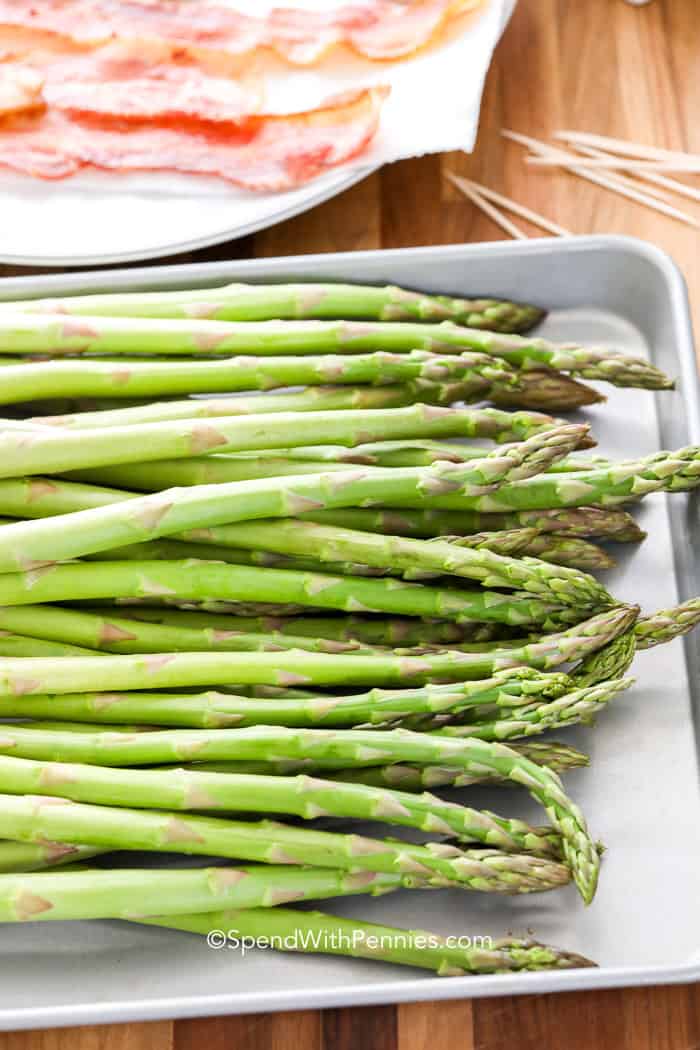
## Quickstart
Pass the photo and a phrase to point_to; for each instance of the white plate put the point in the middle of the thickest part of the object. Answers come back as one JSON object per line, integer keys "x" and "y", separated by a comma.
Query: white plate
{"x": 101, "y": 217}
{"x": 104, "y": 221}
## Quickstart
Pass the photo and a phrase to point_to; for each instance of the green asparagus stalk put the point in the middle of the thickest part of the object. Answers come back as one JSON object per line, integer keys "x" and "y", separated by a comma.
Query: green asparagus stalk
{"x": 220, "y": 469}
{"x": 54, "y": 334}
{"x": 332, "y": 749}
{"x": 30, "y": 543}
{"x": 37, "y": 856}
{"x": 72, "y": 628}
{"x": 14, "y": 645}
{"x": 122, "y": 893}
{"x": 491, "y": 423}
{"x": 103, "y": 672}
{"x": 51, "y": 450}
{"x": 32, "y": 818}
{"x": 45, "y": 497}
{"x": 677, "y": 471}
{"x": 608, "y": 523}
{"x": 547, "y": 546}
{"x": 582, "y": 705}
{"x": 560, "y": 758}
{"x": 262, "y": 302}
{"x": 480, "y": 375}
{"x": 312, "y": 399}
{"x": 612, "y": 661}
{"x": 185, "y": 580}
{"x": 356, "y": 631}
{"x": 315, "y": 931}
{"x": 667, "y": 624}
{"x": 419, "y": 452}
{"x": 494, "y": 871}
{"x": 473, "y": 560}
{"x": 505, "y": 690}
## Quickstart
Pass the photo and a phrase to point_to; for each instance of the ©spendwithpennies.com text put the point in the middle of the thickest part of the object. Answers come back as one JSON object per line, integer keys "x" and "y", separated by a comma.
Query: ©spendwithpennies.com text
{"x": 336, "y": 941}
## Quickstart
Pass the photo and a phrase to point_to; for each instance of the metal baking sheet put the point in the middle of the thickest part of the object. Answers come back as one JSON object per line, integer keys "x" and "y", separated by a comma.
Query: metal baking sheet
{"x": 641, "y": 793}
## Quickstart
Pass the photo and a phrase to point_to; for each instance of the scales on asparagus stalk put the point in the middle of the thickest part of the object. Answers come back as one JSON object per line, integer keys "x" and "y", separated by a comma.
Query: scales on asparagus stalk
{"x": 38, "y": 856}
{"x": 259, "y": 302}
{"x": 560, "y": 758}
{"x": 667, "y": 624}
{"x": 314, "y": 931}
{"x": 53, "y": 334}
{"x": 607, "y": 523}
{"x": 582, "y": 705}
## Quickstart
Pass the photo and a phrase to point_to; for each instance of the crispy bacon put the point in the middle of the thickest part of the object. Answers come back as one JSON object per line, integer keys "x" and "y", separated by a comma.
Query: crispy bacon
{"x": 376, "y": 29}
{"x": 20, "y": 89}
{"x": 152, "y": 83}
{"x": 266, "y": 153}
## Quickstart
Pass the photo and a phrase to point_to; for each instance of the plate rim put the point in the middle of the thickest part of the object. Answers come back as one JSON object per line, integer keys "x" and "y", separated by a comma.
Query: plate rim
{"x": 343, "y": 181}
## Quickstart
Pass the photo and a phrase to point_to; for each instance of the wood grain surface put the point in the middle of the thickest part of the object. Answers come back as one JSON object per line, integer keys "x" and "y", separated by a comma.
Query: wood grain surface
{"x": 597, "y": 65}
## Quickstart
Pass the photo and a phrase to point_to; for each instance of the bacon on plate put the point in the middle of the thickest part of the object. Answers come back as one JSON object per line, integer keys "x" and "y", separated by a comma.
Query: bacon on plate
{"x": 375, "y": 29}
{"x": 266, "y": 153}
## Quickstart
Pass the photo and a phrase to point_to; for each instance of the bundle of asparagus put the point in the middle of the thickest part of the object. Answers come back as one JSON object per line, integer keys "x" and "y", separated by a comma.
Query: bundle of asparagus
{"x": 144, "y": 548}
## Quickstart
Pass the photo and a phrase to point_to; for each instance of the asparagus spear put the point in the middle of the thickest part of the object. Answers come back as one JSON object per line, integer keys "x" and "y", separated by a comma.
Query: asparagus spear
{"x": 48, "y": 450}
{"x": 582, "y": 705}
{"x": 547, "y": 546}
{"x": 73, "y": 628}
{"x": 219, "y": 469}
{"x": 609, "y": 523}
{"x": 475, "y": 560}
{"x": 24, "y": 677}
{"x": 124, "y": 892}
{"x": 418, "y": 452}
{"x": 28, "y": 543}
{"x": 491, "y": 423}
{"x": 479, "y": 375}
{"x": 312, "y": 399}
{"x": 36, "y": 856}
{"x": 677, "y": 471}
{"x": 505, "y": 690}
{"x": 612, "y": 661}
{"x": 52, "y": 333}
{"x": 667, "y": 624}
{"x": 261, "y": 302}
{"x": 187, "y": 579}
{"x": 314, "y": 931}
{"x": 329, "y": 748}
{"x": 495, "y": 871}
{"x": 38, "y": 818}
{"x": 405, "y": 777}
{"x": 13, "y": 645}
{"x": 352, "y": 630}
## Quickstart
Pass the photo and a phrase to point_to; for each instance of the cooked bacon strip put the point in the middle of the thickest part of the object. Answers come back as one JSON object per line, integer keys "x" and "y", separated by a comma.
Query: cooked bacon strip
{"x": 267, "y": 153}
{"x": 159, "y": 82}
{"x": 376, "y": 29}
{"x": 20, "y": 89}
